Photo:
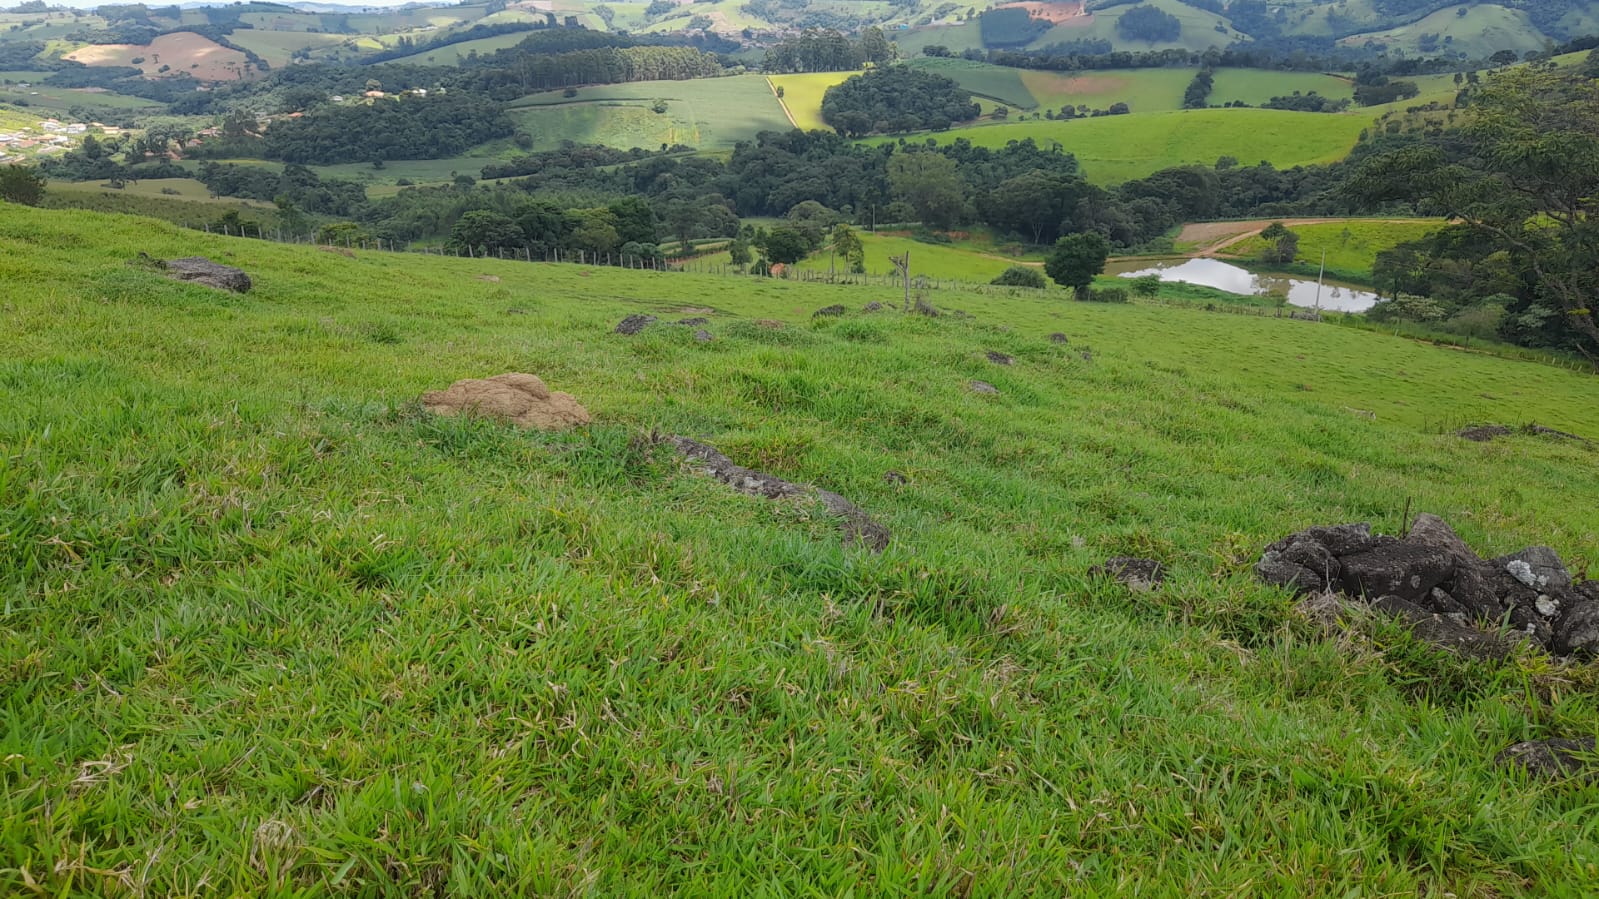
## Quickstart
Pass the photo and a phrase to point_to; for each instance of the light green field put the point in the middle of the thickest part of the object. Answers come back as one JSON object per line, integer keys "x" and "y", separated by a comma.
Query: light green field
{"x": 1483, "y": 30}
{"x": 276, "y": 46}
{"x": 958, "y": 38}
{"x": 802, "y": 96}
{"x": 707, "y": 113}
{"x": 188, "y": 189}
{"x": 1351, "y": 246}
{"x": 981, "y": 79}
{"x": 452, "y": 54}
{"x": 190, "y": 208}
{"x": 1112, "y": 149}
{"x": 271, "y": 627}
{"x": 1257, "y": 86}
{"x": 45, "y": 98}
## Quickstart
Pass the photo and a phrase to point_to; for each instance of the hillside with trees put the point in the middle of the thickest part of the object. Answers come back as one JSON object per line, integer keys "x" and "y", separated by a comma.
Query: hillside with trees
{"x": 896, "y": 99}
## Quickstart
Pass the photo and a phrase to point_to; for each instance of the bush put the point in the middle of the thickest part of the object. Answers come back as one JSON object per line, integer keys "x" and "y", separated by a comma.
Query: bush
{"x": 1021, "y": 276}
{"x": 1106, "y": 295}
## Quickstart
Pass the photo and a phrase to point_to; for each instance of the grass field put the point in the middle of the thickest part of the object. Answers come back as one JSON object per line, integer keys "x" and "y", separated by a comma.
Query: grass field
{"x": 276, "y": 47}
{"x": 1483, "y": 29}
{"x": 802, "y": 96}
{"x": 1143, "y": 90}
{"x": 191, "y": 206}
{"x": 44, "y": 98}
{"x": 1112, "y": 149}
{"x": 1351, "y": 246}
{"x": 983, "y": 79}
{"x": 269, "y": 628}
{"x": 710, "y": 113}
{"x": 1256, "y": 86}
{"x": 452, "y": 54}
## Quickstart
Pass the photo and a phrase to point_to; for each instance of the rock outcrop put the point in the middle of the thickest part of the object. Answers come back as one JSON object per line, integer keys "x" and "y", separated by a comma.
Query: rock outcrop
{"x": 520, "y": 399}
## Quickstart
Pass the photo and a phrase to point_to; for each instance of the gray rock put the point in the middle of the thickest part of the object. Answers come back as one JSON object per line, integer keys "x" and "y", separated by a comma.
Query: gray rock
{"x": 1544, "y": 566}
{"x": 873, "y": 306}
{"x": 1398, "y": 569}
{"x": 1444, "y": 633}
{"x": 1344, "y": 539}
{"x": 693, "y": 322}
{"x": 1526, "y": 620}
{"x": 999, "y": 358}
{"x": 1142, "y": 575}
{"x": 1430, "y": 530}
{"x": 1577, "y": 631}
{"x": 200, "y": 270}
{"x": 1057, "y": 337}
{"x": 1319, "y": 559}
{"x": 832, "y": 311}
{"x": 1555, "y": 759}
{"x": 703, "y": 336}
{"x": 1279, "y": 572}
{"x": 922, "y": 307}
{"x": 1475, "y": 593}
{"x": 858, "y": 527}
{"x": 634, "y": 324}
{"x": 983, "y": 387}
{"x": 1484, "y": 433}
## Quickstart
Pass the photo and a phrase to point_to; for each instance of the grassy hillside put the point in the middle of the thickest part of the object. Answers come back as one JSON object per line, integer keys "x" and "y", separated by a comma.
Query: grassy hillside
{"x": 1199, "y": 29}
{"x": 1117, "y": 148}
{"x": 276, "y": 47}
{"x": 1351, "y": 246}
{"x": 268, "y": 626}
{"x": 1256, "y": 86}
{"x": 1477, "y": 30}
{"x": 452, "y": 54}
{"x": 710, "y": 113}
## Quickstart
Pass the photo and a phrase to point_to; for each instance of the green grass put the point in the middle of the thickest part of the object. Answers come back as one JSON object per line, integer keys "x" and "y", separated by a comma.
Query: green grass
{"x": 1143, "y": 90}
{"x": 453, "y": 54}
{"x": 1351, "y": 246}
{"x": 266, "y": 627}
{"x": 1256, "y": 86}
{"x": 192, "y": 205}
{"x": 44, "y": 98}
{"x": 802, "y": 96}
{"x": 981, "y": 78}
{"x": 1198, "y": 29}
{"x": 710, "y": 114}
{"x": 1112, "y": 149}
{"x": 276, "y": 47}
{"x": 1483, "y": 30}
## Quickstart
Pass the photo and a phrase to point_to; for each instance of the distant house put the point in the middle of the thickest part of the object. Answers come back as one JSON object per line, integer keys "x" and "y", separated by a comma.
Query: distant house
{"x": 337, "y": 98}
{"x": 376, "y": 95}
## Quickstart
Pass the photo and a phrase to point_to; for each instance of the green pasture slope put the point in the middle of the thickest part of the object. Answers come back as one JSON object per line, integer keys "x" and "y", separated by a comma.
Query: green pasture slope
{"x": 707, "y": 113}
{"x": 1351, "y": 246}
{"x": 270, "y": 628}
{"x": 1112, "y": 149}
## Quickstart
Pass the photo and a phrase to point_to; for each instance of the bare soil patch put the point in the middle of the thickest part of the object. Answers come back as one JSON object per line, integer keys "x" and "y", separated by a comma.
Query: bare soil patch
{"x": 181, "y": 52}
{"x": 1053, "y": 13}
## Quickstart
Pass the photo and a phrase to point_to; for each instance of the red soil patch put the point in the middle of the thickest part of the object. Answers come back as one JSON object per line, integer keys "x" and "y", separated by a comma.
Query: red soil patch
{"x": 181, "y": 52}
{"x": 1054, "y": 13}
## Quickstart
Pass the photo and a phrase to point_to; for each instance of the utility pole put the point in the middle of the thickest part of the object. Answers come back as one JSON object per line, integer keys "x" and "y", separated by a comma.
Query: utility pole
{"x": 1319, "y": 277}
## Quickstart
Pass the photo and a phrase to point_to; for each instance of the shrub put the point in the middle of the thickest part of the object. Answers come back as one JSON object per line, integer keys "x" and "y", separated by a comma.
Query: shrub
{"x": 1021, "y": 276}
{"x": 1106, "y": 295}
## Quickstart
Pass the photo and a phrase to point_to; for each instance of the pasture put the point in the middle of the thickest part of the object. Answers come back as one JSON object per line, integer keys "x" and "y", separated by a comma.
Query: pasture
{"x": 271, "y": 627}
{"x": 708, "y": 113}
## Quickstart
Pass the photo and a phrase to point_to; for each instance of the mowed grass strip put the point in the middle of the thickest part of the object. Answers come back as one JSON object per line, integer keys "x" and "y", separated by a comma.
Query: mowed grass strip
{"x": 1112, "y": 149}
{"x": 707, "y": 113}
{"x": 268, "y": 627}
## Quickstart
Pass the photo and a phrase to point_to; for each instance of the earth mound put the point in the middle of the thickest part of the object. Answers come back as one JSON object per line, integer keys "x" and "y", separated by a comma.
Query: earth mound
{"x": 514, "y": 397}
{"x": 201, "y": 270}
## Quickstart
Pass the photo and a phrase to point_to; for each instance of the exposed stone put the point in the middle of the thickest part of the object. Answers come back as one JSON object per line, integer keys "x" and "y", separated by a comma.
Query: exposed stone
{"x": 999, "y": 358}
{"x": 1577, "y": 631}
{"x": 634, "y": 324}
{"x": 1399, "y": 569}
{"x": 1344, "y": 539}
{"x": 1476, "y": 594}
{"x": 694, "y": 322}
{"x": 983, "y": 387}
{"x": 922, "y": 307}
{"x": 832, "y": 311}
{"x": 201, "y": 270}
{"x": 1279, "y": 572}
{"x": 858, "y": 527}
{"x": 1443, "y": 632}
{"x": 703, "y": 336}
{"x": 1138, "y": 574}
{"x": 1430, "y": 530}
{"x": 1483, "y": 433}
{"x": 894, "y": 477}
{"x": 1312, "y": 555}
{"x": 769, "y": 324}
{"x": 1555, "y": 759}
{"x": 1057, "y": 337}
{"x": 873, "y": 306}
{"x": 1539, "y": 567}
{"x": 520, "y": 399}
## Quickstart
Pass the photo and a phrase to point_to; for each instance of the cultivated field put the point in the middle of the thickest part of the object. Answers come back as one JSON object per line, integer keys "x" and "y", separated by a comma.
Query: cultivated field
{"x": 1117, "y": 148}
{"x": 183, "y": 51}
{"x": 708, "y": 113}
{"x": 276, "y": 47}
{"x": 271, "y": 628}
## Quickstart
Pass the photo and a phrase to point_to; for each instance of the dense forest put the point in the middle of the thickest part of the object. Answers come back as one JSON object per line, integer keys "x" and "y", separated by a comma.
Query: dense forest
{"x": 412, "y": 127}
{"x": 896, "y": 99}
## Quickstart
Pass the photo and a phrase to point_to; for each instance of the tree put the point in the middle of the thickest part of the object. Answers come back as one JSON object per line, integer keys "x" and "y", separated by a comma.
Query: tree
{"x": 20, "y": 184}
{"x": 1527, "y": 183}
{"x": 1149, "y": 23}
{"x": 843, "y": 241}
{"x": 931, "y": 184}
{"x": 485, "y": 231}
{"x": 784, "y": 245}
{"x": 1282, "y": 245}
{"x": 1077, "y": 259}
{"x": 1146, "y": 286}
{"x": 739, "y": 252}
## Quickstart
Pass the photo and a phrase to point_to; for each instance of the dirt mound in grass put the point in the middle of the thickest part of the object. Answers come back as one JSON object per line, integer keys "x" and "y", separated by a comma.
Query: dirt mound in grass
{"x": 518, "y": 398}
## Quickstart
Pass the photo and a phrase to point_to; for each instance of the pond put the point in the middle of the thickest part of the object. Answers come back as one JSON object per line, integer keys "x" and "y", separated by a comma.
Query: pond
{"x": 1222, "y": 276}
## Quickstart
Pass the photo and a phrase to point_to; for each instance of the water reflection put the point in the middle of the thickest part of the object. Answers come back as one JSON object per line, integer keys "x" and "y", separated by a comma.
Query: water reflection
{"x": 1231, "y": 278}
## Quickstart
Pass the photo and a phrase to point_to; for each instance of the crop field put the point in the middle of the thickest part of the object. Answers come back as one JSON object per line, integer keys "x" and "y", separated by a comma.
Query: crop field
{"x": 708, "y": 113}
{"x": 269, "y": 626}
{"x": 276, "y": 46}
{"x": 1112, "y": 149}
{"x": 452, "y": 54}
{"x": 182, "y": 51}
{"x": 1351, "y": 246}
{"x": 802, "y": 96}
{"x": 1256, "y": 86}
{"x": 1143, "y": 90}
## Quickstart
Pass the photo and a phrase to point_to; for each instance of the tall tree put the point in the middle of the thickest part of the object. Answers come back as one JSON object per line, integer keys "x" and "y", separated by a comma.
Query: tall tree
{"x": 1077, "y": 259}
{"x": 1529, "y": 180}
{"x": 20, "y": 184}
{"x": 931, "y": 183}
